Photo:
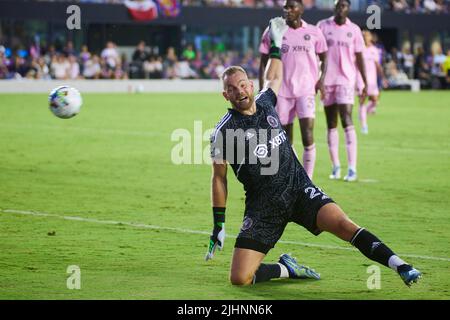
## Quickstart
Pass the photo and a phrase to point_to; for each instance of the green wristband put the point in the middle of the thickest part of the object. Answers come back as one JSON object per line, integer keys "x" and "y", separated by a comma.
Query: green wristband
{"x": 219, "y": 216}
{"x": 274, "y": 52}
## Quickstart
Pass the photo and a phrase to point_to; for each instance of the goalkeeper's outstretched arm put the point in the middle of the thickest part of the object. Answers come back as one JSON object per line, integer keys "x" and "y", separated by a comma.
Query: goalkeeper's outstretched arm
{"x": 219, "y": 200}
{"x": 219, "y": 185}
{"x": 273, "y": 75}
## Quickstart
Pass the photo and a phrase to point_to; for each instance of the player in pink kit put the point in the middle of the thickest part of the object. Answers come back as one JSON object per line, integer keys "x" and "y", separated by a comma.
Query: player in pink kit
{"x": 303, "y": 45}
{"x": 371, "y": 55}
{"x": 345, "y": 44}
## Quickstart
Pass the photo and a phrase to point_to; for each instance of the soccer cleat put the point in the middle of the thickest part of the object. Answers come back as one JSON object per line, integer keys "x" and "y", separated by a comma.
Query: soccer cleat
{"x": 335, "y": 173}
{"x": 351, "y": 176}
{"x": 408, "y": 274}
{"x": 297, "y": 271}
{"x": 365, "y": 130}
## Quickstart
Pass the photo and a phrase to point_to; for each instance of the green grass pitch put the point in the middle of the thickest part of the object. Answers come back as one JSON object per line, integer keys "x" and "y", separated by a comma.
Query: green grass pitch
{"x": 110, "y": 170}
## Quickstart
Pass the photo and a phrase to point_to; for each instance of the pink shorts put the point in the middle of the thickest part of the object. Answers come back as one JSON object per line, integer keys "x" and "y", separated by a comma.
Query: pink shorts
{"x": 339, "y": 95}
{"x": 302, "y": 107}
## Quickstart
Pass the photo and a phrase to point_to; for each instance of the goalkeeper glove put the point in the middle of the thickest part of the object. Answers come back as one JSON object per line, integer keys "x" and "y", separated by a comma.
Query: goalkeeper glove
{"x": 277, "y": 28}
{"x": 217, "y": 237}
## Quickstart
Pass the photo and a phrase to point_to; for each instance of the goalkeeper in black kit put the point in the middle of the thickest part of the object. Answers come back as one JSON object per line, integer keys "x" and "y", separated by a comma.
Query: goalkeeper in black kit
{"x": 251, "y": 140}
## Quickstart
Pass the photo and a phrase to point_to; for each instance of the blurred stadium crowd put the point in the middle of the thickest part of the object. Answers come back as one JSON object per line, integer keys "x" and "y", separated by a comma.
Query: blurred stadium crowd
{"x": 417, "y": 6}
{"x": 423, "y": 6}
{"x": 433, "y": 69}
{"x": 67, "y": 63}
{"x": 431, "y": 65}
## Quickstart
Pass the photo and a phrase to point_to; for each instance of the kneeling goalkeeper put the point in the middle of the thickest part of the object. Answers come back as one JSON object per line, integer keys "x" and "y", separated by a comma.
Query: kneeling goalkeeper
{"x": 251, "y": 140}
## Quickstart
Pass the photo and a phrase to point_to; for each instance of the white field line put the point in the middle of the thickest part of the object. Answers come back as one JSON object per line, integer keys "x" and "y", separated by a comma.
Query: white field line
{"x": 368, "y": 180}
{"x": 182, "y": 230}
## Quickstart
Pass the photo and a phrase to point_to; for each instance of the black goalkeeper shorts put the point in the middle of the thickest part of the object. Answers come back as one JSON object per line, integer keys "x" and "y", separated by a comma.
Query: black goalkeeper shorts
{"x": 261, "y": 229}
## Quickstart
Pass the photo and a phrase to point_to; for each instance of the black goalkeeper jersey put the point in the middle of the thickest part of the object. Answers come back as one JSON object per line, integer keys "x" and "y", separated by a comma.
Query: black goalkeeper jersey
{"x": 257, "y": 149}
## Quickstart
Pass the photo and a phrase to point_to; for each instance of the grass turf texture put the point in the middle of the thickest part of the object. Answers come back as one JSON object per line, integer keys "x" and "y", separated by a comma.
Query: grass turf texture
{"x": 113, "y": 162}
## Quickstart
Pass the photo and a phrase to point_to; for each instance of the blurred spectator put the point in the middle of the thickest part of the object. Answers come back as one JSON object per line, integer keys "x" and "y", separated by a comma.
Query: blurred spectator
{"x": 85, "y": 55}
{"x": 421, "y": 69}
{"x": 309, "y": 4}
{"x": 182, "y": 70}
{"x": 3, "y": 64}
{"x": 38, "y": 69}
{"x": 119, "y": 73}
{"x": 69, "y": 49}
{"x": 153, "y": 68}
{"x": 169, "y": 63}
{"x": 74, "y": 68}
{"x": 442, "y": 6}
{"x": 110, "y": 56}
{"x": 189, "y": 53}
{"x": 437, "y": 63}
{"x": 18, "y": 68}
{"x": 395, "y": 56}
{"x": 35, "y": 50}
{"x": 49, "y": 54}
{"x": 396, "y": 78}
{"x": 60, "y": 67}
{"x": 407, "y": 60}
{"x": 140, "y": 55}
{"x": 446, "y": 69}
{"x": 398, "y": 5}
{"x": 92, "y": 68}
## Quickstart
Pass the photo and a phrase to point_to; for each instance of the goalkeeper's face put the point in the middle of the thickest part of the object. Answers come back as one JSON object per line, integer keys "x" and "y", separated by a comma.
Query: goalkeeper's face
{"x": 238, "y": 89}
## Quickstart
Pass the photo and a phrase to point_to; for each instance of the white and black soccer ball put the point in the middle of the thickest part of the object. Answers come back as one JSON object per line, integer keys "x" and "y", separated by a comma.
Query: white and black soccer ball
{"x": 65, "y": 102}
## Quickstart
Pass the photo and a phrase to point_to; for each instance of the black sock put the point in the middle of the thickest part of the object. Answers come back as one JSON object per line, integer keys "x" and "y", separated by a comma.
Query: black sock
{"x": 371, "y": 246}
{"x": 266, "y": 272}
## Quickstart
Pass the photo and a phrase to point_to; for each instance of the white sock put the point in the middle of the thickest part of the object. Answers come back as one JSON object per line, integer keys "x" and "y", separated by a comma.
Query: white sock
{"x": 284, "y": 271}
{"x": 395, "y": 262}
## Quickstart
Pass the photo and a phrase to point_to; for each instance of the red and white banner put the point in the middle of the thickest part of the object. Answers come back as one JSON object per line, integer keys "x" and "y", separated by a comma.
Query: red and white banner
{"x": 143, "y": 10}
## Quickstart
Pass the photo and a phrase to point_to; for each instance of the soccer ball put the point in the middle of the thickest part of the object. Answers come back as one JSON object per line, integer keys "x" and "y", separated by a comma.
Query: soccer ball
{"x": 65, "y": 102}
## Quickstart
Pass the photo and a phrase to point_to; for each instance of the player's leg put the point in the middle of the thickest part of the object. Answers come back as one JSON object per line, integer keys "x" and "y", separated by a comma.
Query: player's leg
{"x": 331, "y": 218}
{"x": 369, "y": 106}
{"x": 309, "y": 147}
{"x": 331, "y": 113}
{"x": 246, "y": 268}
{"x": 258, "y": 235}
{"x": 363, "y": 116}
{"x": 345, "y": 112}
{"x": 372, "y": 104}
{"x": 362, "y": 110}
{"x": 245, "y": 264}
{"x": 306, "y": 107}
{"x": 345, "y": 97}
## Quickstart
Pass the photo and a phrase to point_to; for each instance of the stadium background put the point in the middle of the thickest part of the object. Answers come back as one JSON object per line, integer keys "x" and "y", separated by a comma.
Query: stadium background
{"x": 100, "y": 190}
{"x": 200, "y": 38}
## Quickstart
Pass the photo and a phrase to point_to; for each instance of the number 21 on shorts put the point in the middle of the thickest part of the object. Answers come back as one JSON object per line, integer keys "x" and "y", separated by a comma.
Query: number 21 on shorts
{"x": 315, "y": 192}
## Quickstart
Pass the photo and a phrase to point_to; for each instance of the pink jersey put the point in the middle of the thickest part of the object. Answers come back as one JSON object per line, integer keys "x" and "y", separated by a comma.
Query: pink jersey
{"x": 343, "y": 42}
{"x": 371, "y": 57}
{"x": 300, "y": 62}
